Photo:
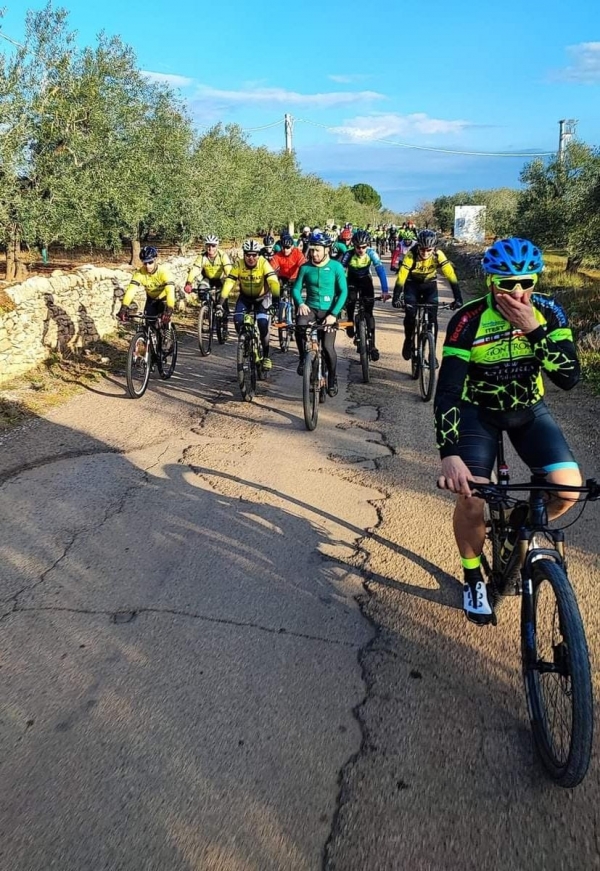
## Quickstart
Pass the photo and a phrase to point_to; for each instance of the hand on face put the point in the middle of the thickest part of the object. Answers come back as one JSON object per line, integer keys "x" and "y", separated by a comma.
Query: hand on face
{"x": 517, "y": 309}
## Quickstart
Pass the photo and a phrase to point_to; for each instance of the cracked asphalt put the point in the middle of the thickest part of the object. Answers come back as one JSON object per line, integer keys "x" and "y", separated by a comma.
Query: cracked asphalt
{"x": 228, "y": 643}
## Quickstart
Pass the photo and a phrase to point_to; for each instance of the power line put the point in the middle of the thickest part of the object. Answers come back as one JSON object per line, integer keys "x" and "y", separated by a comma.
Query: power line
{"x": 264, "y": 126}
{"x": 12, "y": 41}
{"x": 333, "y": 129}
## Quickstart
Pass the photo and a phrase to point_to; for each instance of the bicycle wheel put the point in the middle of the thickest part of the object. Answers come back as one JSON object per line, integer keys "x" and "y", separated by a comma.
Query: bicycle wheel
{"x": 138, "y": 365}
{"x": 323, "y": 380}
{"x": 205, "y": 319}
{"x": 556, "y": 671}
{"x": 415, "y": 359}
{"x": 363, "y": 349}
{"x": 246, "y": 367}
{"x": 310, "y": 389}
{"x": 220, "y": 328}
{"x": 166, "y": 360}
{"x": 284, "y": 332}
{"x": 427, "y": 367}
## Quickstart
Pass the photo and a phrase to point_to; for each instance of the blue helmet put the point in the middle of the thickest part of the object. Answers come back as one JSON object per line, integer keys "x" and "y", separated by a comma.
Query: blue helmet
{"x": 318, "y": 239}
{"x": 512, "y": 256}
{"x": 148, "y": 253}
{"x": 286, "y": 239}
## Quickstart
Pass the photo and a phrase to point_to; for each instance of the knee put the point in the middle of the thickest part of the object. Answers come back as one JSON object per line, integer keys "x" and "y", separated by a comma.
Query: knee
{"x": 469, "y": 508}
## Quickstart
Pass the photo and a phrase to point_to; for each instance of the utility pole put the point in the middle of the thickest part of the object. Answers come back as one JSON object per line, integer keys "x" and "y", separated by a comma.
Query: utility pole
{"x": 566, "y": 133}
{"x": 288, "y": 132}
{"x": 288, "y": 148}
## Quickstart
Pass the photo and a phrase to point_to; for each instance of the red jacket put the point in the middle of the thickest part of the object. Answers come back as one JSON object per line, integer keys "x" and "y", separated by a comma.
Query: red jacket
{"x": 288, "y": 266}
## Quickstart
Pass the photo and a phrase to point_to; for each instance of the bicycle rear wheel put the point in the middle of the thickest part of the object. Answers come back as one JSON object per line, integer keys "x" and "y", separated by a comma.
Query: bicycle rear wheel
{"x": 138, "y": 365}
{"x": 310, "y": 389}
{"x": 556, "y": 670}
{"x": 166, "y": 360}
{"x": 284, "y": 332}
{"x": 220, "y": 328}
{"x": 205, "y": 324}
{"x": 363, "y": 348}
{"x": 427, "y": 367}
{"x": 246, "y": 367}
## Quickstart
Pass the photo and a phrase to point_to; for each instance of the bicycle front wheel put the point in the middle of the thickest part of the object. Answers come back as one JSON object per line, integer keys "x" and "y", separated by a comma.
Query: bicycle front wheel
{"x": 138, "y": 365}
{"x": 363, "y": 349}
{"x": 284, "y": 332}
{"x": 167, "y": 359}
{"x": 205, "y": 324}
{"x": 220, "y": 328}
{"x": 556, "y": 670}
{"x": 427, "y": 367}
{"x": 415, "y": 358}
{"x": 246, "y": 367}
{"x": 310, "y": 389}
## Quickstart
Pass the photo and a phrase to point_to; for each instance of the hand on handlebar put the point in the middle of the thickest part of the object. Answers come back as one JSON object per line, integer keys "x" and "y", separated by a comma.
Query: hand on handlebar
{"x": 303, "y": 310}
{"x": 123, "y": 314}
{"x": 455, "y": 476}
{"x": 187, "y": 287}
{"x": 385, "y": 297}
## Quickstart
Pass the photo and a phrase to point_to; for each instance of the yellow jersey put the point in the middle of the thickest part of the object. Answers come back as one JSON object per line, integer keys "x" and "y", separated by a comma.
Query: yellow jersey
{"x": 415, "y": 268}
{"x": 218, "y": 267}
{"x": 255, "y": 282}
{"x": 158, "y": 285}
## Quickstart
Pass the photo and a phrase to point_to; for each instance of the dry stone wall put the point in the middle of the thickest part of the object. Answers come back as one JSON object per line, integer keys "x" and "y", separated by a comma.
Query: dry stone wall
{"x": 63, "y": 312}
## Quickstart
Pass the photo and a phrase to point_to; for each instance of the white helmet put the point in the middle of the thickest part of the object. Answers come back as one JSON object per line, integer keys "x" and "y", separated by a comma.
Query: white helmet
{"x": 251, "y": 247}
{"x": 211, "y": 240}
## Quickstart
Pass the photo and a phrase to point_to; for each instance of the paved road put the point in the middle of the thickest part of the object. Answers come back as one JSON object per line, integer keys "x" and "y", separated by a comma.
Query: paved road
{"x": 193, "y": 675}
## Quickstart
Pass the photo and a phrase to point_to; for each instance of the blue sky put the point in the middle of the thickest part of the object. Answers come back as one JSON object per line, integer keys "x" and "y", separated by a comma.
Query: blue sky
{"x": 469, "y": 76}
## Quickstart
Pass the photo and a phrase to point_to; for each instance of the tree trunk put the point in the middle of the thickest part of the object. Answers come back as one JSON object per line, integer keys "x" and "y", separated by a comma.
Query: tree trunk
{"x": 15, "y": 268}
{"x": 573, "y": 263}
{"x": 135, "y": 252}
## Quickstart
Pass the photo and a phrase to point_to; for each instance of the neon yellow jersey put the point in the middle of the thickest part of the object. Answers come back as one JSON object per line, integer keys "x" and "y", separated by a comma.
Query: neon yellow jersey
{"x": 254, "y": 282}
{"x": 158, "y": 285}
{"x": 415, "y": 268}
{"x": 203, "y": 266}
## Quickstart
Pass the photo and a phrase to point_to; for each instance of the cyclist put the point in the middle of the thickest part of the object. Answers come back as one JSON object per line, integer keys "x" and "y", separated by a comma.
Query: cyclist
{"x": 405, "y": 243}
{"x": 288, "y": 261}
{"x": 417, "y": 280}
{"x": 213, "y": 266}
{"x": 258, "y": 285}
{"x": 358, "y": 261}
{"x": 159, "y": 285}
{"x": 268, "y": 249}
{"x": 304, "y": 240}
{"x": 337, "y": 249}
{"x": 324, "y": 281}
{"x": 495, "y": 351}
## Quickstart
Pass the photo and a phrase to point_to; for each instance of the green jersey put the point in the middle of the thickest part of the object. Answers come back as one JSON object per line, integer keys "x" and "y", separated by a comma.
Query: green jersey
{"x": 325, "y": 286}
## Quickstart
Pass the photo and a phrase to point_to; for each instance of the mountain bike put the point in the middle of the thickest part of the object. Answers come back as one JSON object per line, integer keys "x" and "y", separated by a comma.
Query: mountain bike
{"x": 315, "y": 376}
{"x": 285, "y": 316}
{"x": 423, "y": 362}
{"x": 208, "y": 320}
{"x": 249, "y": 357}
{"x": 363, "y": 336}
{"x": 528, "y": 559}
{"x": 150, "y": 346}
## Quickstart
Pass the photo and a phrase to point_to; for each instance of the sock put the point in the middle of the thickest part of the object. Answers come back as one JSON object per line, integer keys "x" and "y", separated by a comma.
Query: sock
{"x": 471, "y": 568}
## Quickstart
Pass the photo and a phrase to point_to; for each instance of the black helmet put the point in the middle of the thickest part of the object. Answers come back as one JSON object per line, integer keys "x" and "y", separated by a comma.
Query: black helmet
{"x": 427, "y": 238}
{"x": 148, "y": 253}
{"x": 268, "y": 241}
{"x": 361, "y": 237}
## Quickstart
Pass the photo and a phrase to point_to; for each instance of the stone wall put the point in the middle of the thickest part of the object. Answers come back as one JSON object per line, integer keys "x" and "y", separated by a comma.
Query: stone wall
{"x": 63, "y": 312}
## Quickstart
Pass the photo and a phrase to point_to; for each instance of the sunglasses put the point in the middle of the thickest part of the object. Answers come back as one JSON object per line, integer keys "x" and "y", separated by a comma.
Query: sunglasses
{"x": 250, "y": 254}
{"x": 361, "y": 247}
{"x": 288, "y": 245}
{"x": 211, "y": 245}
{"x": 509, "y": 285}
{"x": 148, "y": 262}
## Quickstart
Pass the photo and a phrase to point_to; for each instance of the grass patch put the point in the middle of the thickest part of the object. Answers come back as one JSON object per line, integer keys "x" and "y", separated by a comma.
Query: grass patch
{"x": 59, "y": 378}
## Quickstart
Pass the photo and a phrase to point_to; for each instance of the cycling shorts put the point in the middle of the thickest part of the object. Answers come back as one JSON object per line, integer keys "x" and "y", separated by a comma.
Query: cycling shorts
{"x": 533, "y": 433}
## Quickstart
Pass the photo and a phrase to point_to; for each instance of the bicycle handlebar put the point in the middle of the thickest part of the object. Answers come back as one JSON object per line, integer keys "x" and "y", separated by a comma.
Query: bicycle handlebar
{"x": 493, "y": 491}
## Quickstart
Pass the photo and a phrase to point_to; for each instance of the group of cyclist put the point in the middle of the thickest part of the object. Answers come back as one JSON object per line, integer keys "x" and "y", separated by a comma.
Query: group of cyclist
{"x": 495, "y": 350}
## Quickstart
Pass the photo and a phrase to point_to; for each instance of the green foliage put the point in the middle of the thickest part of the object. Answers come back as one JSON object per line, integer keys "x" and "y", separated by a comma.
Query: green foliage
{"x": 501, "y": 208}
{"x": 366, "y": 195}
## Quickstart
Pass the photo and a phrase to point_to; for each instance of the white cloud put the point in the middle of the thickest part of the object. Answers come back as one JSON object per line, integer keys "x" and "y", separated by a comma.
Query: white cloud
{"x": 367, "y": 128}
{"x": 585, "y": 66}
{"x": 347, "y": 79}
{"x": 281, "y": 97}
{"x": 168, "y": 79}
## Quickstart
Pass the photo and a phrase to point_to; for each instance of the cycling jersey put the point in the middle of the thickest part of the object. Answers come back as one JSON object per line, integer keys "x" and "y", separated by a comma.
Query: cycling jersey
{"x": 489, "y": 363}
{"x": 359, "y": 267}
{"x": 218, "y": 267}
{"x": 158, "y": 285}
{"x": 254, "y": 282}
{"x": 421, "y": 269}
{"x": 287, "y": 265}
{"x": 325, "y": 285}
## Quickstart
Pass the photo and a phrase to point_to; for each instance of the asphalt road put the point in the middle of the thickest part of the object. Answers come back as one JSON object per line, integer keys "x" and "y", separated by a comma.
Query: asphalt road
{"x": 228, "y": 643}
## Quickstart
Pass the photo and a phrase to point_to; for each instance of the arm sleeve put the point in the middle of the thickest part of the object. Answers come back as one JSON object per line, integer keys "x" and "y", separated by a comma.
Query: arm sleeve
{"x": 346, "y": 259}
{"x": 379, "y": 269}
{"x": 194, "y": 270}
{"x": 273, "y": 283}
{"x": 404, "y": 270}
{"x": 553, "y": 345}
{"x": 226, "y": 265}
{"x": 341, "y": 292}
{"x": 453, "y": 373}
{"x": 448, "y": 271}
{"x": 169, "y": 287}
{"x": 297, "y": 288}
{"x": 229, "y": 283}
{"x": 131, "y": 290}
